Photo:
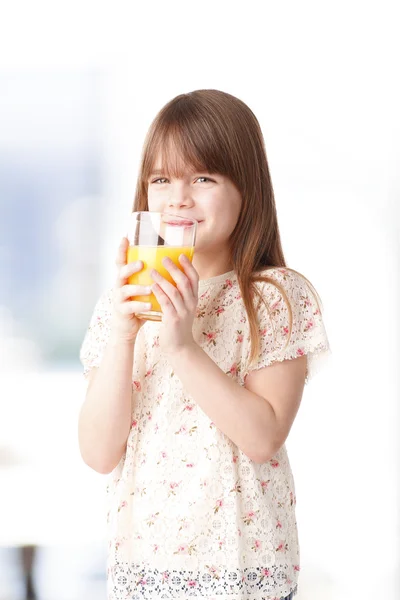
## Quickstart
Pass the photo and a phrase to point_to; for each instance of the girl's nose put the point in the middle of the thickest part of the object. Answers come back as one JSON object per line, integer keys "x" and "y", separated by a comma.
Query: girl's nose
{"x": 180, "y": 196}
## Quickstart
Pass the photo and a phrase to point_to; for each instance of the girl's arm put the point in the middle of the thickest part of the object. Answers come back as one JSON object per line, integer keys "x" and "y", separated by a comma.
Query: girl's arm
{"x": 257, "y": 419}
{"x": 105, "y": 416}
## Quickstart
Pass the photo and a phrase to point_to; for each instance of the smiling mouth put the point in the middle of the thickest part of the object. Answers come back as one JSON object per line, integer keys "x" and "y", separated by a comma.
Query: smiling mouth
{"x": 180, "y": 223}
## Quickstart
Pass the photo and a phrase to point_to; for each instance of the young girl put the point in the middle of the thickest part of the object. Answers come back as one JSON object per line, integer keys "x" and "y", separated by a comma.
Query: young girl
{"x": 190, "y": 415}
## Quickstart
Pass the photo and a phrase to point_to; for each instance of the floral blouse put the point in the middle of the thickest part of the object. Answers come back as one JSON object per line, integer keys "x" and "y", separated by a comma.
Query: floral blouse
{"x": 189, "y": 514}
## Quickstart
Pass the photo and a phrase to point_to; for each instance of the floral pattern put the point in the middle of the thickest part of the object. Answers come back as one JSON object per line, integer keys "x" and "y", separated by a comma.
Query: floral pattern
{"x": 189, "y": 514}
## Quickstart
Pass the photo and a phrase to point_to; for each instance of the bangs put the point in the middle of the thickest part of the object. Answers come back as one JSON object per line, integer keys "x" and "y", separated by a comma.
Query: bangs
{"x": 176, "y": 147}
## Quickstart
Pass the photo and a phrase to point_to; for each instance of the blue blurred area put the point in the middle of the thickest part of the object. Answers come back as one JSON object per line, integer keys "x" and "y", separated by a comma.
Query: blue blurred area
{"x": 51, "y": 202}
{"x": 51, "y": 188}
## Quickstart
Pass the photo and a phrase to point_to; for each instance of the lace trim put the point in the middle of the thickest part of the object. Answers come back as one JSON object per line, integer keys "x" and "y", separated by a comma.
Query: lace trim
{"x": 138, "y": 583}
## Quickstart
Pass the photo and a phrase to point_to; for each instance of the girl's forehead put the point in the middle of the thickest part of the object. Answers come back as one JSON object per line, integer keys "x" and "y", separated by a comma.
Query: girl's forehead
{"x": 175, "y": 163}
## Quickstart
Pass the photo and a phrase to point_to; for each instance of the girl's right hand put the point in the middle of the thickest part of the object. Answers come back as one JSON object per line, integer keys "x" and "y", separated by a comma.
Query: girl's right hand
{"x": 125, "y": 325}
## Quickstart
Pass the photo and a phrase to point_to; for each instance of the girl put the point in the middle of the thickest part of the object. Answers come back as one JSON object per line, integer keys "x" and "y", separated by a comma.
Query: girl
{"x": 190, "y": 415}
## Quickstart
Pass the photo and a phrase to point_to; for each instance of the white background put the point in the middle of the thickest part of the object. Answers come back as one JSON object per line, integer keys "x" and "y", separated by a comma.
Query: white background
{"x": 322, "y": 79}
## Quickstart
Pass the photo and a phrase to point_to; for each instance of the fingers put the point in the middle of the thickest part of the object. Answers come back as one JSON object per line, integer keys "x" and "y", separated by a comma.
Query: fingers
{"x": 186, "y": 282}
{"x": 190, "y": 272}
{"x": 130, "y": 291}
{"x": 125, "y": 270}
{"x": 121, "y": 254}
{"x": 134, "y": 307}
{"x": 170, "y": 295}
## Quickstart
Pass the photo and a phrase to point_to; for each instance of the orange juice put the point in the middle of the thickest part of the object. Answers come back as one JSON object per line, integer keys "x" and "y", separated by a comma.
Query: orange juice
{"x": 152, "y": 257}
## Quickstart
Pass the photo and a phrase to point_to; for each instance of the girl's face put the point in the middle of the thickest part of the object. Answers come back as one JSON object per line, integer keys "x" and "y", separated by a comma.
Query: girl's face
{"x": 211, "y": 199}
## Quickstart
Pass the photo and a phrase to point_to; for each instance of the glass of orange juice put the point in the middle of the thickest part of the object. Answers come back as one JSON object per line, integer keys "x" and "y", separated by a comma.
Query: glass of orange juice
{"x": 152, "y": 236}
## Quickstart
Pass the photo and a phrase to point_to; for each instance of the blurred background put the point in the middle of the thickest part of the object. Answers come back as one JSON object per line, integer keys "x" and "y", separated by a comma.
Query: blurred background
{"x": 80, "y": 83}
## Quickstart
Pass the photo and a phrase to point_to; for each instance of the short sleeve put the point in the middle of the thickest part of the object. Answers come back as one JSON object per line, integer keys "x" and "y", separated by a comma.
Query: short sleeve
{"x": 308, "y": 335}
{"x": 97, "y": 334}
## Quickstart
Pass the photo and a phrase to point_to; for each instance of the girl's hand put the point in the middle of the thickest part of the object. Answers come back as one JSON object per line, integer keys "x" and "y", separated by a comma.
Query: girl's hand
{"x": 178, "y": 304}
{"x": 125, "y": 325}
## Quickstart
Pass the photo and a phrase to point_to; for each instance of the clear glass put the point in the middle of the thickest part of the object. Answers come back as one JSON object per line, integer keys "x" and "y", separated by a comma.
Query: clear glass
{"x": 153, "y": 236}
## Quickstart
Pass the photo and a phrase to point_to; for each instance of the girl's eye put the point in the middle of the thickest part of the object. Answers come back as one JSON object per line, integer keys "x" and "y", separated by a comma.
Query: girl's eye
{"x": 160, "y": 180}
{"x": 204, "y": 179}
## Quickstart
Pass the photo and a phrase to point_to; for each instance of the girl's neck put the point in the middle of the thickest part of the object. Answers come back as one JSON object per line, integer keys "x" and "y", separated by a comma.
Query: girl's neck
{"x": 211, "y": 266}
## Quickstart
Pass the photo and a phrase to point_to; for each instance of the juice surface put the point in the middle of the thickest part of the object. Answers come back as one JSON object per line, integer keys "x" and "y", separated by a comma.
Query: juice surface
{"x": 152, "y": 257}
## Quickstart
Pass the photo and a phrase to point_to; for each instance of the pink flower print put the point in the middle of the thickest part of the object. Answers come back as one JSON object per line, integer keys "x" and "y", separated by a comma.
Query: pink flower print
{"x": 228, "y": 284}
{"x": 218, "y": 505}
{"x": 221, "y": 543}
{"x": 210, "y": 337}
{"x": 163, "y": 454}
{"x": 286, "y": 330}
{"x": 172, "y": 487}
{"x": 274, "y": 463}
{"x": 165, "y": 576}
{"x": 156, "y": 342}
{"x": 155, "y": 548}
{"x": 190, "y": 465}
{"x": 142, "y": 582}
{"x": 317, "y": 312}
{"x": 239, "y": 338}
{"x": 235, "y": 458}
{"x": 264, "y": 484}
{"x": 257, "y": 545}
{"x": 148, "y": 373}
{"x": 182, "y": 429}
{"x": 189, "y": 407}
{"x": 181, "y": 550}
{"x": 266, "y": 572}
{"x": 137, "y": 386}
{"x": 248, "y": 518}
{"x": 191, "y": 583}
{"x": 122, "y": 505}
{"x": 219, "y": 310}
{"x": 282, "y": 546}
{"x": 234, "y": 370}
{"x": 134, "y": 423}
{"x": 238, "y": 296}
{"x": 237, "y": 488}
{"x": 156, "y": 427}
{"x": 275, "y": 305}
{"x": 300, "y": 352}
{"x": 283, "y": 271}
{"x": 263, "y": 332}
{"x": 309, "y": 325}
{"x": 278, "y": 524}
{"x": 296, "y": 567}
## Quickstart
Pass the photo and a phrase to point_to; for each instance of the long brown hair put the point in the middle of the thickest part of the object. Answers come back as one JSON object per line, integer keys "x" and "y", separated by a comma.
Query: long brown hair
{"x": 216, "y": 132}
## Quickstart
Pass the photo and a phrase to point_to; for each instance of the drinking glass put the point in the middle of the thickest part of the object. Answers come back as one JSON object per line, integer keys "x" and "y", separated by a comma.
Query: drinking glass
{"x": 153, "y": 236}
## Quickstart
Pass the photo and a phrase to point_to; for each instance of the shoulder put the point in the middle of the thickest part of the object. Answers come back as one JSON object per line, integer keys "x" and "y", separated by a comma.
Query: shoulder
{"x": 282, "y": 278}
{"x": 278, "y": 286}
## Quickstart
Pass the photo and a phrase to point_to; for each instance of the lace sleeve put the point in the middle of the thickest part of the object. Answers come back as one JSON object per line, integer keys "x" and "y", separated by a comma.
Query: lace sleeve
{"x": 97, "y": 334}
{"x": 308, "y": 336}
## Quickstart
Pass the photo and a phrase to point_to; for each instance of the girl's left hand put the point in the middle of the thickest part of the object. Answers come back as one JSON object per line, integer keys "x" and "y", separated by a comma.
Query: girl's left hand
{"x": 178, "y": 304}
